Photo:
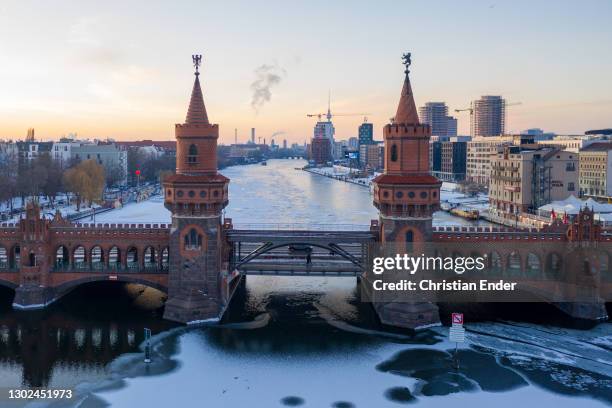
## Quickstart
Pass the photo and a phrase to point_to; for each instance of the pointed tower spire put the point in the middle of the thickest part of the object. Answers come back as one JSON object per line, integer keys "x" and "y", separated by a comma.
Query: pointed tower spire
{"x": 196, "y": 114}
{"x": 406, "y": 110}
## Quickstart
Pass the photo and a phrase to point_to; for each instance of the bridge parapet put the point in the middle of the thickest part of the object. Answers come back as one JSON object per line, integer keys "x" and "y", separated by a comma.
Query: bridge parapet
{"x": 301, "y": 227}
{"x": 114, "y": 226}
{"x": 475, "y": 236}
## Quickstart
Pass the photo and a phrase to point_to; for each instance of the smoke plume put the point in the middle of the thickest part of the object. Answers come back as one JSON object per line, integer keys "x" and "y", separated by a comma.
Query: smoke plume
{"x": 266, "y": 77}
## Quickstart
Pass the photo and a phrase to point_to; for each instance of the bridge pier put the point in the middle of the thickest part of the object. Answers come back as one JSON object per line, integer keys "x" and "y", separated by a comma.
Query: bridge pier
{"x": 31, "y": 297}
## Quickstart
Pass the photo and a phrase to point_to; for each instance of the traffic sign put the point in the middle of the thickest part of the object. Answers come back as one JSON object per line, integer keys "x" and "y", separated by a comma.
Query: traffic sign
{"x": 457, "y": 318}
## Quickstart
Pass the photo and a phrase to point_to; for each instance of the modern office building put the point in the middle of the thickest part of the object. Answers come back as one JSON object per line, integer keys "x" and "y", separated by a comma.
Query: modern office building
{"x": 451, "y": 126}
{"x": 371, "y": 156}
{"x": 366, "y": 133}
{"x": 448, "y": 159}
{"x": 488, "y": 116}
{"x": 435, "y": 114}
{"x": 596, "y": 171}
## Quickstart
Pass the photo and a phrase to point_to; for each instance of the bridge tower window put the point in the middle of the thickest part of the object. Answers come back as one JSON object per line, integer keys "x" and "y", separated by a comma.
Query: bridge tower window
{"x": 192, "y": 156}
{"x": 394, "y": 153}
{"x": 193, "y": 240}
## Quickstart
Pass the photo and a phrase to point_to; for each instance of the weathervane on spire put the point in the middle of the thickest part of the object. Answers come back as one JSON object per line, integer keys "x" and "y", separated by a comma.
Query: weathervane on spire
{"x": 407, "y": 60}
{"x": 197, "y": 61}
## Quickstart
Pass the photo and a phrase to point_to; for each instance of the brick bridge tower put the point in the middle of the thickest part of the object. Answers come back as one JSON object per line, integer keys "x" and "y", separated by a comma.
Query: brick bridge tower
{"x": 406, "y": 196}
{"x": 34, "y": 262}
{"x": 196, "y": 195}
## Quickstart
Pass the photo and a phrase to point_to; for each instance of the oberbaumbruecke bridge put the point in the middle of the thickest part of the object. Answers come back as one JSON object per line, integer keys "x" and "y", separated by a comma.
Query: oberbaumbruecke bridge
{"x": 200, "y": 258}
{"x": 44, "y": 259}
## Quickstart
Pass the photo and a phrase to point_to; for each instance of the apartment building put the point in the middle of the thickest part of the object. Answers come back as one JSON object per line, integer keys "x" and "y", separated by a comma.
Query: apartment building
{"x": 526, "y": 177}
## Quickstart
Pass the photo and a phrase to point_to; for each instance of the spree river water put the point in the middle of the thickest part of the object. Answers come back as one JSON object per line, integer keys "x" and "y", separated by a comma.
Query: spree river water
{"x": 289, "y": 341}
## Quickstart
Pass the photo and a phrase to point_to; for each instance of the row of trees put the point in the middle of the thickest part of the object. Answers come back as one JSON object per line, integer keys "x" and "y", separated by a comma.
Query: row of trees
{"x": 151, "y": 167}
{"x": 44, "y": 177}
{"x": 86, "y": 180}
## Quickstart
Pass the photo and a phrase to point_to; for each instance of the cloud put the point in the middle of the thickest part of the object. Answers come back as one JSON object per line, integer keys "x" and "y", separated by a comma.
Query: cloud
{"x": 266, "y": 77}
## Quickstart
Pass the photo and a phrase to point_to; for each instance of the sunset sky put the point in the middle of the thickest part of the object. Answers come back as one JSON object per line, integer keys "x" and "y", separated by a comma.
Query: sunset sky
{"x": 123, "y": 69}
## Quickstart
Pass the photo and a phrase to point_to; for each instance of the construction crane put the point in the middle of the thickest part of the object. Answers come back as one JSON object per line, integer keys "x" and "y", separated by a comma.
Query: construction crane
{"x": 329, "y": 115}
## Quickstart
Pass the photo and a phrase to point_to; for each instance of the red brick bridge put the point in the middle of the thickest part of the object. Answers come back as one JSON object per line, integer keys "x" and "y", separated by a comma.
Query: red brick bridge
{"x": 200, "y": 258}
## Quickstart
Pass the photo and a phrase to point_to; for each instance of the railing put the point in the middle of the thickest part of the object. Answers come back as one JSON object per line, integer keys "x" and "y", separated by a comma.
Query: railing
{"x": 6, "y": 267}
{"x": 301, "y": 227}
{"x": 98, "y": 267}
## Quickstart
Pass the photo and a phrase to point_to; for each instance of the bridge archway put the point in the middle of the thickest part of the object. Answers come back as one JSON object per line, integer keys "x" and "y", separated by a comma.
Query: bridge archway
{"x": 150, "y": 257}
{"x": 8, "y": 284}
{"x": 131, "y": 257}
{"x": 65, "y": 288}
{"x": 114, "y": 257}
{"x": 97, "y": 257}
{"x": 514, "y": 265}
{"x": 553, "y": 265}
{"x": 165, "y": 258}
{"x": 533, "y": 266}
{"x": 4, "y": 257}
{"x": 15, "y": 256}
{"x": 79, "y": 256}
{"x": 62, "y": 256}
{"x": 496, "y": 265}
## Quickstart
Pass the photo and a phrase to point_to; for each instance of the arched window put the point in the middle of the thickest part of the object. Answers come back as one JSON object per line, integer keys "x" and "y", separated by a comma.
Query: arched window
{"x": 192, "y": 156}
{"x": 394, "y": 153}
{"x": 193, "y": 240}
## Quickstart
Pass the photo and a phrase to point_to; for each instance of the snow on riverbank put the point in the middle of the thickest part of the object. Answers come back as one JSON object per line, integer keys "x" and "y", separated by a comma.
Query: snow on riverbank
{"x": 151, "y": 211}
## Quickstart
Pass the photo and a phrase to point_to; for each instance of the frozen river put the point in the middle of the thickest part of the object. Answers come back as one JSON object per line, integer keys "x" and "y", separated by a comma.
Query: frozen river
{"x": 278, "y": 193}
{"x": 296, "y": 341}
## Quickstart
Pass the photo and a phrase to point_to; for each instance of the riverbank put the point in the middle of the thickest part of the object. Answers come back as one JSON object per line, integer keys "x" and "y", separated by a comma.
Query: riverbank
{"x": 452, "y": 201}
{"x": 341, "y": 173}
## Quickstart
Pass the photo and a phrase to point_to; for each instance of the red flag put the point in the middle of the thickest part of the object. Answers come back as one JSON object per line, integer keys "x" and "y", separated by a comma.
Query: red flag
{"x": 565, "y": 218}
{"x": 553, "y": 215}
